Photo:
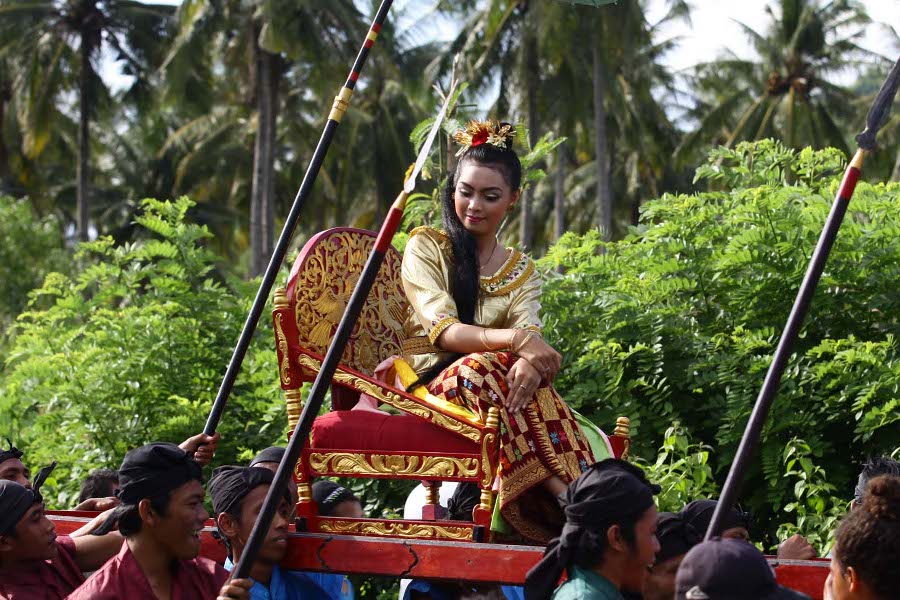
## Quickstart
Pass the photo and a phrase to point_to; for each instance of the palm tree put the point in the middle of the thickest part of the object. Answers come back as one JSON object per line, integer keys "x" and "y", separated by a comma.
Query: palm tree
{"x": 787, "y": 91}
{"x": 258, "y": 45}
{"x": 51, "y": 40}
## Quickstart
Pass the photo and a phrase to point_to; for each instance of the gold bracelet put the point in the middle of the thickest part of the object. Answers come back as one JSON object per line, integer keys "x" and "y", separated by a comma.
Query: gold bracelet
{"x": 484, "y": 341}
{"x": 517, "y": 349}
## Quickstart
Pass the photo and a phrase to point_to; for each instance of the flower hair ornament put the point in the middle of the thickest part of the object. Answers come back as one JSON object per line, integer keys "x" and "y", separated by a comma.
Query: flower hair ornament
{"x": 476, "y": 133}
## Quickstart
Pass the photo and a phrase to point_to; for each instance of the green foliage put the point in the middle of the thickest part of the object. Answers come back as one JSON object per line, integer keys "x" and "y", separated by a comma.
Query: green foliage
{"x": 681, "y": 469}
{"x": 130, "y": 348}
{"x": 818, "y": 507}
{"x": 31, "y": 248}
{"x": 678, "y": 321}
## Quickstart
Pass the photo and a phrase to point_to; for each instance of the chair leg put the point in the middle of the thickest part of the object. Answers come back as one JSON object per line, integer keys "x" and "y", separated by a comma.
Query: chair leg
{"x": 433, "y": 511}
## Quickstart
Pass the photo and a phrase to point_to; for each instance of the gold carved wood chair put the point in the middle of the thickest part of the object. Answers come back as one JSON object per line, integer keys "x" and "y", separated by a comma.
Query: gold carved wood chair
{"x": 426, "y": 442}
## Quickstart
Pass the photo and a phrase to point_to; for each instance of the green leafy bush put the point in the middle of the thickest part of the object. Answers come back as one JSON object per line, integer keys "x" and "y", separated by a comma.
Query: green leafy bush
{"x": 678, "y": 321}
{"x": 131, "y": 348}
{"x": 31, "y": 247}
{"x": 681, "y": 469}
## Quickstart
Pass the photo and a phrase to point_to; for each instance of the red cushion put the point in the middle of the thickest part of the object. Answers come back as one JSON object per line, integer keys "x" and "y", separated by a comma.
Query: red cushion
{"x": 378, "y": 431}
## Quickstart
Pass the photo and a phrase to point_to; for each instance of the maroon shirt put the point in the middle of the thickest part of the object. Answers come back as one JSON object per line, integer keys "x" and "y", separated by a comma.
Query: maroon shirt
{"x": 51, "y": 579}
{"x": 121, "y": 577}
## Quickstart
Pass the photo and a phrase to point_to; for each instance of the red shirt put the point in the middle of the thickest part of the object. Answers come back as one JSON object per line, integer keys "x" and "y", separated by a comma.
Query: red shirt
{"x": 121, "y": 578}
{"x": 51, "y": 579}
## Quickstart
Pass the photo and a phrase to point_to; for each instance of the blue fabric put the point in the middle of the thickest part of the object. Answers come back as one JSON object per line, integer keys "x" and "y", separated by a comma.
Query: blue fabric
{"x": 300, "y": 585}
{"x": 514, "y": 592}
{"x": 420, "y": 585}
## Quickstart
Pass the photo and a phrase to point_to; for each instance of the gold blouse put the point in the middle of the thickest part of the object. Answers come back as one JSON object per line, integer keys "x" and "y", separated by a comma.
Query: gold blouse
{"x": 511, "y": 298}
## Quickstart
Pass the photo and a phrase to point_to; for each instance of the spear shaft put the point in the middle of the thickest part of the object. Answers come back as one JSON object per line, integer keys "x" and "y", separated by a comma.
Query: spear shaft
{"x": 341, "y": 102}
{"x": 874, "y": 120}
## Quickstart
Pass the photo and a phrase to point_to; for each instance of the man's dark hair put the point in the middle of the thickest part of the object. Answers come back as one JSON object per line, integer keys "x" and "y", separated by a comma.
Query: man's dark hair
{"x": 872, "y": 468}
{"x": 99, "y": 484}
{"x": 868, "y": 539}
{"x": 129, "y": 518}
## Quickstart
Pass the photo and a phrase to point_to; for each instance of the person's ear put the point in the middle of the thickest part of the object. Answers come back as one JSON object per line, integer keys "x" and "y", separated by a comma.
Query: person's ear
{"x": 614, "y": 538}
{"x": 853, "y": 583}
{"x": 146, "y": 512}
{"x": 227, "y": 525}
{"x": 515, "y": 200}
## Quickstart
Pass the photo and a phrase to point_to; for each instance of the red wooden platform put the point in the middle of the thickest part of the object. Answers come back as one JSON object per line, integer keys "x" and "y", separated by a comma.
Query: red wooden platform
{"x": 426, "y": 559}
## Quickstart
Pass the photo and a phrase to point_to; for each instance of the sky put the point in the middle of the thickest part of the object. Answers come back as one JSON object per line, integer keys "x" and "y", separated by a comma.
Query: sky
{"x": 712, "y": 29}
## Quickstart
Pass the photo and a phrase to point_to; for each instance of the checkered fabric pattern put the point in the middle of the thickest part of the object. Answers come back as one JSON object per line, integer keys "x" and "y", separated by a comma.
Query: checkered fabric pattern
{"x": 540, "y": 441}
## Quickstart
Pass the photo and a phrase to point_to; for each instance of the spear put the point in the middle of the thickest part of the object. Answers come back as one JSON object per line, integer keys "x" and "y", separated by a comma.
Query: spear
{"x": 341, "y": 102}
{"x": 335, "y": 351}
{"x": 866, "y": 142}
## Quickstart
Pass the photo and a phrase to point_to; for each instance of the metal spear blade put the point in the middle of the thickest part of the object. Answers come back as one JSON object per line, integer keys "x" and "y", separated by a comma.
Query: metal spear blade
{"x": 878, "y": 114}
{"x": 410, "y": 184}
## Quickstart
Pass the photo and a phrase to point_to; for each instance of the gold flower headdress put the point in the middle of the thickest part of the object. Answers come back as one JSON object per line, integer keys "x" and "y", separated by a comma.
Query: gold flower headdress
{"x": 476, "y": 133}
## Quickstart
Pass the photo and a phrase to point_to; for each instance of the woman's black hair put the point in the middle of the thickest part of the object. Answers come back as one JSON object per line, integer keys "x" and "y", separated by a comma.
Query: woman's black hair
{"x": 129, "y": 519}
{"x": 465, "y": 282}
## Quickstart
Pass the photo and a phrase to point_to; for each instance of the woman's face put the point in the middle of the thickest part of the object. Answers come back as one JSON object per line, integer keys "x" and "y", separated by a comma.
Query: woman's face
{"x": 482, "y": 197}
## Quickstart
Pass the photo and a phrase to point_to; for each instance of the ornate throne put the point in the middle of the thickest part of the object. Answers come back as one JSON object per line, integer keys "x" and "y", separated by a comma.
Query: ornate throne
{"x": 430, "y": 440}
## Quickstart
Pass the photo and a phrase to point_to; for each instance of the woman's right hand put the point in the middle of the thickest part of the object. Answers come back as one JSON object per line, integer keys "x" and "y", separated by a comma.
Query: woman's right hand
{"x": 539, "y": 353}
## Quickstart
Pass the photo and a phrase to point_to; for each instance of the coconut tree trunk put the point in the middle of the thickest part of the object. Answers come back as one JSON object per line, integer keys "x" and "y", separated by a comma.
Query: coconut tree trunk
{"x": 5, "y": 97}
{"x": 604, "y": 187}
{"x": 559, "y": 194}
{"x": 532, "y": 78}
{"x": 83, "y": 174}
{"x": 262, "y": 195}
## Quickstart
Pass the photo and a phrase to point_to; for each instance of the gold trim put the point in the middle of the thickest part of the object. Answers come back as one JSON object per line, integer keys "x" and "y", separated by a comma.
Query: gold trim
{"x": 347, "y": 463}
{"x": 372, "y": 35}
{"x": 487, "y": 446}
{"x": 294, "y": 402}
{"x": 858, "y": 159}
{"x": 284, "y": 368}
{"x": 505, "y": 270}
{"x": 417, "y": 345}
{"x": 433, "y": 492}
{"x": 440, "y": 327}
{"x": 396, "y": 400}
{"x": 281, "y": 299}
{"x": 623, "y": 430}
{"x": 512, "y": 285}
{"x": 404, "y": 530}
{"x": 304, "y": 492}
{"x": 341, "y": 102}
{"x": 487, "y": 500}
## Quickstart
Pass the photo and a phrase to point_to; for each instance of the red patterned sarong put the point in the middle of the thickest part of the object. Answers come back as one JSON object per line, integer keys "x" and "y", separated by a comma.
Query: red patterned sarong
{"x": 542, "y": 440}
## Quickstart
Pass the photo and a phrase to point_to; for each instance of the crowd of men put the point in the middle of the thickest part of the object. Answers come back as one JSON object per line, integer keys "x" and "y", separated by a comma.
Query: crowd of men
{"x": 614, "y": 545}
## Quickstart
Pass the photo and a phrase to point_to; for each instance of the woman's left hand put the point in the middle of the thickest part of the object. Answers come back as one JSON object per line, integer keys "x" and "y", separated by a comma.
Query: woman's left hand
{"x": 523, "y": 380}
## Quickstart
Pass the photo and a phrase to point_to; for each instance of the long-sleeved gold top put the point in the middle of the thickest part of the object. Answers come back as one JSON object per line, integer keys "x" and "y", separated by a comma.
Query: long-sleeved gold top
{"x": 511, "y": 298}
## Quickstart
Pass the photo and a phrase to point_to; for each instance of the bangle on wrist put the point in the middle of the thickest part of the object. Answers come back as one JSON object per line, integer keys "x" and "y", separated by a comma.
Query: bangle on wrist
{"x": 484, "y": 340}
{"x": 524, "y": 341}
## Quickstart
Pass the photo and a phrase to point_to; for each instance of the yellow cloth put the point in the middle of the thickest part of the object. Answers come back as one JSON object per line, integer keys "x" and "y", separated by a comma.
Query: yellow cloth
{"x": 511, "y": 298}
{"x": 408, "y": 377}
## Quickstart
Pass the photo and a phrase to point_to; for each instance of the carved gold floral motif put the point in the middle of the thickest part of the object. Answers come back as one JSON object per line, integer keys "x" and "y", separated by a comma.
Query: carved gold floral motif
{"x": 322, "y": 290}
{"x": 395, "y": 400}
{"x": 405, "y": 530}
{"x": 284, "y": 369}
{"x": 346, "y": 463}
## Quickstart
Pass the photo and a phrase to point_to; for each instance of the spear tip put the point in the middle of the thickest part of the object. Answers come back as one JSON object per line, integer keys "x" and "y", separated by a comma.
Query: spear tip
{"x": 878, "y": 114}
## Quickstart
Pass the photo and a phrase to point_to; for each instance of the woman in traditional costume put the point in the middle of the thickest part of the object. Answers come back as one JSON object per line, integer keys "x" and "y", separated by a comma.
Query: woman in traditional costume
{"x": 474, "y": 333}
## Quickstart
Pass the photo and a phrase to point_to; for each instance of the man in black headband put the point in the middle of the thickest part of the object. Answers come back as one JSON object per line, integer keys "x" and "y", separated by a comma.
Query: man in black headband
{"x": 201, "y": 446}
{"x": 34, "y": 561}
{"x": 161, "y": 517}
{"x": 334, "y": 500}
{"x": 269, "y": 459}
{"x": 238, "y": 494}
{"x": 609, "y": 538}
